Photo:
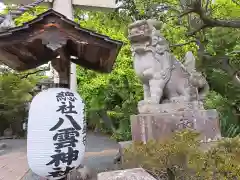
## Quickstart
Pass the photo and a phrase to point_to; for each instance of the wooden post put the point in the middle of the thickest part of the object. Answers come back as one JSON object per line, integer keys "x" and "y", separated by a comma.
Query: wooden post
{"x": 65, "y": 7}
{"x": 65, "y": 77}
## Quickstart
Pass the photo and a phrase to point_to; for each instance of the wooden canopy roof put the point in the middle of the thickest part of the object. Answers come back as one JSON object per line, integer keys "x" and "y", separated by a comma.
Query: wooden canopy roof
{"x": 38, "y": 41}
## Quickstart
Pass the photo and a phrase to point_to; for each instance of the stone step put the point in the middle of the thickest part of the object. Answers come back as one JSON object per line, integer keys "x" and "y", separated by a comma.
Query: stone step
{"x": 127, "y": 174}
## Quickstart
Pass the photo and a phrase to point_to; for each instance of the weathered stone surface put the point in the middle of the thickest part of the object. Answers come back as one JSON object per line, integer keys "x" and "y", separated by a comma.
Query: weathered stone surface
{"x": 82, "y": 173}
{"x": 128, "y": 174}
{"x": 162, "y": 125}
{"x": 164, "y": 78}
{"x": 145, "y": 108}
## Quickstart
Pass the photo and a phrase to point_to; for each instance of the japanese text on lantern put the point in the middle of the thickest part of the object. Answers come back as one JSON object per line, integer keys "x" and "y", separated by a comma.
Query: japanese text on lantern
{"x": 65, "y": 138}
{"x": 84, "y": 132}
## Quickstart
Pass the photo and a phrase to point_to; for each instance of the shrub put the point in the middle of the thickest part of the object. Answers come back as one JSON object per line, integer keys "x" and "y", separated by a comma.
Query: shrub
{"x": 182, "y": 157}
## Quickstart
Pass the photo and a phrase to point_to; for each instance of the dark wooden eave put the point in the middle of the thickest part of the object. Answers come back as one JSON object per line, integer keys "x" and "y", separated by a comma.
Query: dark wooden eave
{"x": 38, "y": 41}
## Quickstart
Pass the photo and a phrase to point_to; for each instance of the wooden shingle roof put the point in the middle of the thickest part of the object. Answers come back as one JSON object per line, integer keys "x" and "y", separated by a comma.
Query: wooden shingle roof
{"x": 37, "y": 42}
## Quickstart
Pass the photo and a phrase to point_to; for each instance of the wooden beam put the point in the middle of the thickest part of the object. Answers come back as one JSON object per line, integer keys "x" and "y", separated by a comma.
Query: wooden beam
{"x": 10, "y": 60}
{"x": 13, "y": 38}
{"x": 22, "y": 52}
{"x": 93, "y": 66}
{"x": 110, "y": 61}
{"x": 52, "y": 36}
{"x": 85, "y": 37}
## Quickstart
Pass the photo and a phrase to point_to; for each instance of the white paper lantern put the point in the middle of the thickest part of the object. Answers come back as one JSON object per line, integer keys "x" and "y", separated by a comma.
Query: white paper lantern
{"x": 56, "y": 133}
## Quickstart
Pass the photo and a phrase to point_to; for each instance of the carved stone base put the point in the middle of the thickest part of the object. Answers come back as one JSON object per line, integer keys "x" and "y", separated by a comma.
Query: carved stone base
{"x": 127, "y": 174}
{"x": 147, "y": 107}
{"x": 162, "y": 125}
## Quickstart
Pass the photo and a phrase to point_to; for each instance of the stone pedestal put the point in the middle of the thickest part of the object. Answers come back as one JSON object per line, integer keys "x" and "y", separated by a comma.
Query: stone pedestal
{"x": 145, "y": 107}
{"x": 161, "y": 125}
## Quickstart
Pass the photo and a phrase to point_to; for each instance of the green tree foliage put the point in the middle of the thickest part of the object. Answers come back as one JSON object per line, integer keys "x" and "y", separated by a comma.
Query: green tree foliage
{"x": 30, "y": 15}
{"x": 223, "y": 43}
{"x": 109, "y": 92}
{"x": 15, "y": 88}
{"x": 117, "y": 94}
{"x": 14, "y": 96}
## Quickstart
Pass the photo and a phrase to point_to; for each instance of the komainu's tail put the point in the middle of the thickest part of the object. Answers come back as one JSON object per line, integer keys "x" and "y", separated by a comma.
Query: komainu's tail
{"x": 189, "y": 62}
{"x": 196, "y": 78}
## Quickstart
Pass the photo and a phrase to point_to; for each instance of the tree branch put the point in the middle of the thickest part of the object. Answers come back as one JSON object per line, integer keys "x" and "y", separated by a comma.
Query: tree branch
{"x": 35, "y": 72}
{"x": 207, "y": 4}
{"x": 236, "y": 2}
{"x": 237, "y": 76}
{"x": 197, "y": 30}
{"x": 183, "y": 44}
{"x": 196, "y": 7}
{"x": 230, "y": 70}
{"x": 224, "y": 61}
{"x": 224, "y": 65}
{"x": 186, "y": 12}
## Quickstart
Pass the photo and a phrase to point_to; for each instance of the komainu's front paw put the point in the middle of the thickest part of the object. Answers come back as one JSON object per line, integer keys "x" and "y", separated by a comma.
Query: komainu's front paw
{"x": 142, "y": 106}
{"x": 142, "y": 102}
{"x": 148, "y": 101}
{"x": 153, "y": 101}
{"x": 145, "y": 106}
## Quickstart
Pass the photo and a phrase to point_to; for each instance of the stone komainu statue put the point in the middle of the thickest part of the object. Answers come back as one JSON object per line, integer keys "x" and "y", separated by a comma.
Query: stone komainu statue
{"x": 164, "y": 78}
